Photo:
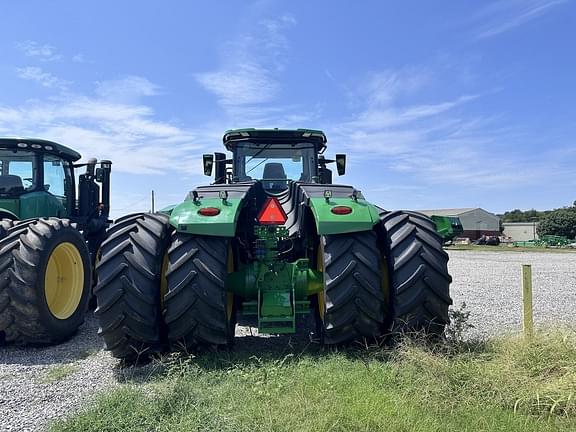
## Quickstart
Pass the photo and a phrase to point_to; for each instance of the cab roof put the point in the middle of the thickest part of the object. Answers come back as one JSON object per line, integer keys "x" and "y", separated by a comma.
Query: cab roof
{"x": 233, "y": 136}
{"x": 39, "y": 145}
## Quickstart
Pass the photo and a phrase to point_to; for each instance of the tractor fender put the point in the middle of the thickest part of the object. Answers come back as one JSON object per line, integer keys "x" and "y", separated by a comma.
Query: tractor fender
{"x": 186, "y": 217}
{"x": 363, "y": 217}
{"x": 7, "y": 214}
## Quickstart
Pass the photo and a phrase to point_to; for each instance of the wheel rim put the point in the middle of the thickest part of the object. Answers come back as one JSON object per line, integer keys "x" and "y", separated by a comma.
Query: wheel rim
{"x": 64, "y": 280}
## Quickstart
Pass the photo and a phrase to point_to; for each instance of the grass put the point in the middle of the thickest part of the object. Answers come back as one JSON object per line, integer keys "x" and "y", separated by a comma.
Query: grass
{"x": 58, "y": 373}
{"x": 502, "y": 385}
{"x": 505, "y": 248}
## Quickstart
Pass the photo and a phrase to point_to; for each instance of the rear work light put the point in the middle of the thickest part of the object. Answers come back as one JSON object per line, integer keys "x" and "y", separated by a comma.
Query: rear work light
{"x": 209, "y": 211}
{"x": 272, "y": 213}
{"x": 341, "y": 210}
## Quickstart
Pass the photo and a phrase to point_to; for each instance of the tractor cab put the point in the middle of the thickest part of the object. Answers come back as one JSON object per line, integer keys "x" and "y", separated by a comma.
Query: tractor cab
{"x": 36, "y": 178}
{"x": 274, "y": 157}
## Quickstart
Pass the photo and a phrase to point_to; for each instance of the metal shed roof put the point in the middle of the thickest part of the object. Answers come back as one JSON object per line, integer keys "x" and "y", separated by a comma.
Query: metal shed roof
{"x": 449, "y": 212}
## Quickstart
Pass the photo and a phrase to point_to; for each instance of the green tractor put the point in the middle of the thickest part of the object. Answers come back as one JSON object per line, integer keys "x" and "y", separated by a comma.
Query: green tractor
{"x": 270, "y": 241}
{"x": 49, "y": 238}
{"x": 449, "y": 227}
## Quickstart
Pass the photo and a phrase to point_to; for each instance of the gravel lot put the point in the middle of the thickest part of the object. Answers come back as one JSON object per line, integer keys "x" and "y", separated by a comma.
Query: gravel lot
{"x": 39, "y": 384}
{"x": 490, "y": 285}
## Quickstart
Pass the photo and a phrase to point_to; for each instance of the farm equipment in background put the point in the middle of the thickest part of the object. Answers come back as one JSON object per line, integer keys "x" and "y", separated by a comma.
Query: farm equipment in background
{"x": 49, "y": 238}
{"x": 449, "y": 227}
{"x": 270, "y": 241}
{"x": 546, "y": 241}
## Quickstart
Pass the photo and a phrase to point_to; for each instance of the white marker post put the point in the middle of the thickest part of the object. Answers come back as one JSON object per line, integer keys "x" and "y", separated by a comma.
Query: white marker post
{"x": 527, "y": 300}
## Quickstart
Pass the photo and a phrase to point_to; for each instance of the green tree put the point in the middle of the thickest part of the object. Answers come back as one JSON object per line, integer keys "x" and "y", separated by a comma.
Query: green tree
{"x": 518, "y": 215}
{"x": 559, "y": 222}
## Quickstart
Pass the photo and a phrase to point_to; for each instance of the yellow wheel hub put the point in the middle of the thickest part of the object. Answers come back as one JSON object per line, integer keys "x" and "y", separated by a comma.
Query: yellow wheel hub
{"x": 64, "y": 280}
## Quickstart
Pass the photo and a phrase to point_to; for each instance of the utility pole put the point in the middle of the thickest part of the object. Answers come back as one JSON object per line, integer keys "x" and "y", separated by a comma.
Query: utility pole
{"x": 153, "y": 210}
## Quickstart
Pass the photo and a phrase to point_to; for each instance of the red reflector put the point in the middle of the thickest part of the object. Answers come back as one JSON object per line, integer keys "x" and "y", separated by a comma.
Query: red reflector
{"x": 341, "y": 210}
{"x": 272, "y": 213}
{"x": 209, "y": 211}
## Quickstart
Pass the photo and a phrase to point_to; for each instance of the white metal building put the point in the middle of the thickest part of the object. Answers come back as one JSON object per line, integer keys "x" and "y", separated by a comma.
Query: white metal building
{"x": 475, "y": 221}
{"x": 521, "y": 231}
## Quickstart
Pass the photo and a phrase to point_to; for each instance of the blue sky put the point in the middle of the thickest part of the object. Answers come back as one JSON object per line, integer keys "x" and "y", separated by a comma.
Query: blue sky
{"x": 437, "y": 104}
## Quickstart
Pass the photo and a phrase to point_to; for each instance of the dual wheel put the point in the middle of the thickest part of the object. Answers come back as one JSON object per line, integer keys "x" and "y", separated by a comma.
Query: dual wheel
{"x": 392, "y": 280}
{"x": 45, "y": 280}
{"x": 158, "y": 288}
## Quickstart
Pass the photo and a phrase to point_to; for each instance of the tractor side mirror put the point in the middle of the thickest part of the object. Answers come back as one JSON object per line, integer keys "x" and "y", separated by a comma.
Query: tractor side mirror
{"x": 99, "y": 175}
{"x": 208, "y": 160}
{"x": 341, "y": 164}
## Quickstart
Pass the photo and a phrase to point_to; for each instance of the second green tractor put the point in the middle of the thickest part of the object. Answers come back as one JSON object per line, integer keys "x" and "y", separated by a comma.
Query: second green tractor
{"x": 270, "y": 241}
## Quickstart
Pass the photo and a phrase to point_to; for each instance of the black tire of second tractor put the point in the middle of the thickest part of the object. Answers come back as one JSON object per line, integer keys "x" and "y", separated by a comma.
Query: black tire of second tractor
{"x": 196, "y": 301}
{"x": 354, "y": 299}
{"x": 5, "y": 264}
{"x": 24, "y": 254}
{"x": 128, "y": 291}
{"x": 418, "y": 266}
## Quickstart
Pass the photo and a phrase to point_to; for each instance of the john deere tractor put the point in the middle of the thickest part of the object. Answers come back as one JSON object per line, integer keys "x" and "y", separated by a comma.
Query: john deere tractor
{"x": 46, "y": 229}
{"x": 270, "y": 241}
{"x": 449, "y": 227}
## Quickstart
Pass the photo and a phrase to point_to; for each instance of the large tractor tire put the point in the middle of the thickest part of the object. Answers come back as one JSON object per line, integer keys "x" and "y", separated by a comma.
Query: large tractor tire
{"x": 45, "y": 281}
{"x": 198, "y": 309}
{"x": 353, "y": 304}
{"x": 5, "y": 264}
{"x": 419, "y": 273}
{"x": 128, "y": 293}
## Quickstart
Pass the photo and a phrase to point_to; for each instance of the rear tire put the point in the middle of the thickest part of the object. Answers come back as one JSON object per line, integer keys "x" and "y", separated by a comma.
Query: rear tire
{"x": 352, "y": 306}
{"x": 129, "y": 285}
{"x": 45, "y": 270}
{"x": 5, "y": 264}
{"x": 197, "y": 305}
{"x": 419, "y": 273}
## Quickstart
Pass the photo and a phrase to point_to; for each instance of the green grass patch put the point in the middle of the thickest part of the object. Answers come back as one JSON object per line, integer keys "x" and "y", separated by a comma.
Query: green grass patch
{"x": 502, "y": 385}
{"x": 58, "y": 373}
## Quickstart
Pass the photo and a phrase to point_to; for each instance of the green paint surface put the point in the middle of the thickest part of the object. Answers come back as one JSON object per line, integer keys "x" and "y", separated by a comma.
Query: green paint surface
{"x": 35, "y": 204}
{"x": 363, "y": 217}
{"x": 41, "y": 204}
{"x": 185, "y": 217}
{"x": 10, "y": 205}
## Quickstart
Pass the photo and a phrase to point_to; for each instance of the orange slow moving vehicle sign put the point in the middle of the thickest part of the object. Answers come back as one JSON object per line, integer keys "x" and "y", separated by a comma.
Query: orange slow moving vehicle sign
{"x": 272, "y": 213}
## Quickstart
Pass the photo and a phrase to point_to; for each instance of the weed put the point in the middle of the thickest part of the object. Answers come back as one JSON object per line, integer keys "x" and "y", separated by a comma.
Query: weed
{"x": 58, "y": 373}
{"x": 502, "y": 384}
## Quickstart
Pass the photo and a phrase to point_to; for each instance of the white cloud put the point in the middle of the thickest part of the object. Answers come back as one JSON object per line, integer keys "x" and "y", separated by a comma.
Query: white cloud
{"x": 126, "y": 132}
{"x": 247, "y": 77}
{"x": 39, "y": 51}
{"x": 79, "y": 58}
{"x": 384, "y": 87}
{"x": 245, "y": 84}
{"x": 127, "y": 89}
{"x": 434, "y": 142}
{"x": 46, "y": 79}
{"x": 505, "y": 16}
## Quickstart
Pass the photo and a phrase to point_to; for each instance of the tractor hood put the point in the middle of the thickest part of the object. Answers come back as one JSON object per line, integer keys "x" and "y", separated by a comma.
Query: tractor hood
{"x": 217, "y": 210}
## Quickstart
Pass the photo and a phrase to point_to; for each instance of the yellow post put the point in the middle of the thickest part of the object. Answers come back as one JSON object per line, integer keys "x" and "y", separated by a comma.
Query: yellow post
{"x": 527, "y": 300}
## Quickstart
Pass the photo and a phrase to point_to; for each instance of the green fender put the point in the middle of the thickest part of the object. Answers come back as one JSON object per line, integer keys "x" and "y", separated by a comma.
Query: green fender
{"x": 362, "y": 218}
{"x": 185, "y": 217}
{"x": 10, "y": 209}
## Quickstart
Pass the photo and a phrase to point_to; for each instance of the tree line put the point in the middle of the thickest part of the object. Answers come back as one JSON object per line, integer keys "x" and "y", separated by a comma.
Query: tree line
{"x": 561, "y": 221}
